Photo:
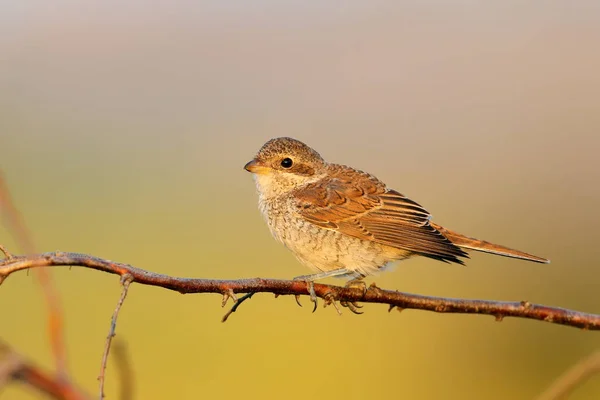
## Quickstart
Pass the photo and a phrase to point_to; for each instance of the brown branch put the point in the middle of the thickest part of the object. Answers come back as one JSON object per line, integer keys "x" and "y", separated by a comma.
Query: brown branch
{"x": 13, "y": 367}
{"x": 498, "y": 309}
{"x": 16, "y": 223}
{"x": 572, "y": 378}
{"x": 126, "y": 280}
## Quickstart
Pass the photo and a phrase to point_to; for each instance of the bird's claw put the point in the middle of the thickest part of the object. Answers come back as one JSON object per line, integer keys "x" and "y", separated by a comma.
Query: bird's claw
{"x": 352, "y": 306}
{"x": 310, "y": 285}
{"x": 330, "y": 299}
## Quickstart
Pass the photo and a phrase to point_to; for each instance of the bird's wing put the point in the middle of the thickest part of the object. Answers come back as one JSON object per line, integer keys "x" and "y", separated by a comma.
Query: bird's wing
{"x": 359, "y": 205}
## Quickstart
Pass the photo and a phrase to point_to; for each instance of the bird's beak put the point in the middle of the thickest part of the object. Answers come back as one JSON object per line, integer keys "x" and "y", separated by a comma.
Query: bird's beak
{"x": 256, "y": 168}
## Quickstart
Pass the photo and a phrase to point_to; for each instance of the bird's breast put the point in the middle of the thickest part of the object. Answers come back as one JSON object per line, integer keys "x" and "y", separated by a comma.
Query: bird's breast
{"x": 285, "y": 225}
{"x": 323, "y": 249}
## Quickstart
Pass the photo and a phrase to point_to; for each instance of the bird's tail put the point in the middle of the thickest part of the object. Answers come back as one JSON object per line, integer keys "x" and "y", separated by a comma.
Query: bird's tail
{"x": 487, "y": 247}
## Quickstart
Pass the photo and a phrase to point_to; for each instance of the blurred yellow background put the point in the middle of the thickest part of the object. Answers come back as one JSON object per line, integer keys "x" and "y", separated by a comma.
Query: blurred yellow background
{"x": 124, "y": 128}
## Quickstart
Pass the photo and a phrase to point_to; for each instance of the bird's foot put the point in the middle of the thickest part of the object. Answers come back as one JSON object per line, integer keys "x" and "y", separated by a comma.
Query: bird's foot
{"x": 352, "y": 305}
{"x": 310, "y": 285}
{"x": 357, "y": 283}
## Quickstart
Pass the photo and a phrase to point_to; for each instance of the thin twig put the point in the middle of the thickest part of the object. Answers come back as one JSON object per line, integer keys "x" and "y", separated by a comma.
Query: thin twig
{"x": 126, "y": 280}
{"x": 16, "y": 223}
{"x": 572, "y": 378}
{"x": 6, "y": 253}
{"x": 236, "y": 304}
{"x": 497, "y": 309}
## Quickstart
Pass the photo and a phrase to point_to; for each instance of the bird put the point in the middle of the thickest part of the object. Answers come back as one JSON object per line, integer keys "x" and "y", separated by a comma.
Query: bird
{"x": 343, "y": 222}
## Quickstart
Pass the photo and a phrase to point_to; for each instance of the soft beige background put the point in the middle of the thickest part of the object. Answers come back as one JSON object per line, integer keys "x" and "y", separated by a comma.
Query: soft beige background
{"x": 124, "y": 128}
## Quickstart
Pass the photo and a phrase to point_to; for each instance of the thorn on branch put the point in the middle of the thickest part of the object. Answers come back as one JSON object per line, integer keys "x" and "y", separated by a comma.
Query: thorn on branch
{"x": 237, "y": 303}
{"x": 126, "y": 280}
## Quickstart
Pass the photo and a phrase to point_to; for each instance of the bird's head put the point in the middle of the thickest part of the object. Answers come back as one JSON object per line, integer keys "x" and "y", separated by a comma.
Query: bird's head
{"x": 284, "y": 164}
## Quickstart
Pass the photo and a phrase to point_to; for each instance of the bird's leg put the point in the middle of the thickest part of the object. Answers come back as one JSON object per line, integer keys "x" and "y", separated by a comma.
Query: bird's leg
{"x": 355, "y": 282}
{"x": 310, "y": 279}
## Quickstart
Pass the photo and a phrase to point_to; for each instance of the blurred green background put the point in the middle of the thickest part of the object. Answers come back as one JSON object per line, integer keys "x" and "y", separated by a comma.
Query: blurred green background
{"x": 124, "y": 127}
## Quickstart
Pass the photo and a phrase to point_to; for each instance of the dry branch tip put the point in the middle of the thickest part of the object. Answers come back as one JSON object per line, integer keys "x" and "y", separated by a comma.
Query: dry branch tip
{"x": 7, "y": 254}
{"x": 236, "y": 305}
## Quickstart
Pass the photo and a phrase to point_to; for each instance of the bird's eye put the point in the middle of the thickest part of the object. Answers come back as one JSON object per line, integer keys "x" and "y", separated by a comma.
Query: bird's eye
{"x": 287, "y": 162}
